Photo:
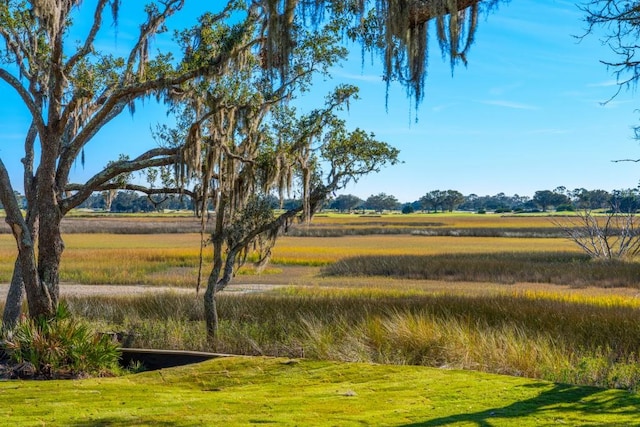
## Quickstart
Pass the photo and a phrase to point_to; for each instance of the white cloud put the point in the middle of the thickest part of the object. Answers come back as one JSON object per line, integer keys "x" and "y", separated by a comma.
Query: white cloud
{"x": 550, "y": 131}
{"x": 606, "y": 83}
{"x": 369, "y": 78}
{"x": 510, "y": 104}
{"x": 441, "y": 107}
{"x": 610, "y": 103}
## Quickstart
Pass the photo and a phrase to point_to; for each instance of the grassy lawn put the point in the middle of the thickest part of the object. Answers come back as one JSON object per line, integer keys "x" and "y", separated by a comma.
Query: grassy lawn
{"x": 576, "y": 333}
{"x": 247, "y": 391}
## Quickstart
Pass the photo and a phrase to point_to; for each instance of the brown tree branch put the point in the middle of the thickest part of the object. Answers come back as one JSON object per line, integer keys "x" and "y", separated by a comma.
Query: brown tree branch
{"x": 422, "y": 11}
{"x": 88, "y": 43}
{"x": 26, "y": 98}
{"x": 152, "y": 158}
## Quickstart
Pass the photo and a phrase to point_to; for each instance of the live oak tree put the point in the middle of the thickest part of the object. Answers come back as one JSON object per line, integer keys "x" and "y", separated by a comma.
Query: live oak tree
{"x": 619, "y": 24}
{"x": 72, "y": 90}
{"x": 346, "y": 202}
{"x": 546, "y": 198}
{"x": 243, "y": 141}
{"x": 381, "y": 202}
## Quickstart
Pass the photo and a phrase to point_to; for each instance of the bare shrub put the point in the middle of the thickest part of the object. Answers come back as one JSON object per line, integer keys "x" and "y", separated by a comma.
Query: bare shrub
{"x": 613, "y": 235}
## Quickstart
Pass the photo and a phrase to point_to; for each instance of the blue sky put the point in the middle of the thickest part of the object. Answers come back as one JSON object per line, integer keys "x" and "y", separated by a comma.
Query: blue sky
{"x": 526, "y": 114}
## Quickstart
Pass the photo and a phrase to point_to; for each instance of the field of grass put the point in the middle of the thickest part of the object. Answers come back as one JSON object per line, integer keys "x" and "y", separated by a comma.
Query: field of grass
{"x": 576, "y": 337}
{"x": 524, "y": 306}
{"x": 247, "y": 391}
{"x": 172, "y": 258}
{"x": 562, "y": 268}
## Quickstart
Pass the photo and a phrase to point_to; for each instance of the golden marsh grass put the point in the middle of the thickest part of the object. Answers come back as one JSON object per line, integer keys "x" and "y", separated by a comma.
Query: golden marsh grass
{"x": 457, "y": 220}
{"x": 322, "y": 251}
{"x": 143, "y": 258}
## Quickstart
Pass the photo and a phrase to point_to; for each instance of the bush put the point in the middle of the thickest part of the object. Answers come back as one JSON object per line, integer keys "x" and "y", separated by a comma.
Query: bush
{"x": 565, "y": 208}
{"x": 59, "y": 347}
{"x": 563, "y": 268}
{"x": 408, "y": 209}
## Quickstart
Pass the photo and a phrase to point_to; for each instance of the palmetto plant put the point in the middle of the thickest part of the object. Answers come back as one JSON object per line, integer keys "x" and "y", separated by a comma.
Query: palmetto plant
{"x": 62, "y": 345}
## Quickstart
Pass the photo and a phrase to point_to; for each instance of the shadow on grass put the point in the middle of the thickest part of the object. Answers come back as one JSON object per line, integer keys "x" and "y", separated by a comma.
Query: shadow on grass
{"x": 562, "y": 398}
{"x": 124, "y": 421}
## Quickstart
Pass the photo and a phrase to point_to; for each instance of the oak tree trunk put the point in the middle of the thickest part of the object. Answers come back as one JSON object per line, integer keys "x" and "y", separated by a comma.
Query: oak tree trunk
{"x": 15, "y": 298}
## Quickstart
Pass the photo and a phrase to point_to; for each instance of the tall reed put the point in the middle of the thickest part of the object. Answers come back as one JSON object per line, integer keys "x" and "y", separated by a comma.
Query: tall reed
{"x": 548, "y": 338}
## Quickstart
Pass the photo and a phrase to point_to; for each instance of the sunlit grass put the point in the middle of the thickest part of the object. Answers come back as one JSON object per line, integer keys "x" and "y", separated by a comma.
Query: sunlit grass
{"x": 575, "y": 336}
{"x": 322, "y": 251}
{"x": 242, "y": 391}
{"x": 586, "y": 336}
{"x": 143, "y": 258}
{"x": 456, "y": 220}
{"x": 567, "y": 268}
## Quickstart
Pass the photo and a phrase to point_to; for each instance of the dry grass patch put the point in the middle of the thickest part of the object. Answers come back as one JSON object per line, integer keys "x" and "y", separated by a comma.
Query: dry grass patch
{"x": 153, "y": 258}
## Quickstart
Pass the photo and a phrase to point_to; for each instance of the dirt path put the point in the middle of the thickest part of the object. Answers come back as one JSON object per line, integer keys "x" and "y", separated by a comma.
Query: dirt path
{"x": 70, "y": 289}
{"x": 240, "y": 284}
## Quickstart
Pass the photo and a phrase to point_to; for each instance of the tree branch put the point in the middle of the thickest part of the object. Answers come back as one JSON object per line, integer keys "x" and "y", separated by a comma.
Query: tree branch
{"x": 147, "y": 30}
{"x": 26, "y": 98}
{"x": 88, "y": 44}
{"x": 422, "y": 11}
{"x": 15, "y": 45}
{"x": 151, "y": 158}
{"x": 134, "y": 187}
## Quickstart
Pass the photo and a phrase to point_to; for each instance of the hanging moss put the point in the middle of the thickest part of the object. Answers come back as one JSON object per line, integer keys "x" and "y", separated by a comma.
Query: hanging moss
{"x": 397, "y": 29}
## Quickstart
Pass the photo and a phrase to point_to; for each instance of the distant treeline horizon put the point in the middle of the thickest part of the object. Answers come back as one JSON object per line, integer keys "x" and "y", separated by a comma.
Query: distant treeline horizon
{"x": 558, "y": 199}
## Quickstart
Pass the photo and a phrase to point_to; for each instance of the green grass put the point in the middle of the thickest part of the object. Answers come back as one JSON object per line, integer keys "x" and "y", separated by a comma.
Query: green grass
{"x": 248, "y": 391}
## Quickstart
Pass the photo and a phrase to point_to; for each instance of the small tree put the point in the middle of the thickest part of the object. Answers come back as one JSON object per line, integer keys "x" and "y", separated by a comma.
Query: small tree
{"x": 452, "y": 199}
{"x": 381, "y": 202}
{"x": 547, "y": 198}
{"x": 346, "y": 202}
{"x": 243, "y": 141}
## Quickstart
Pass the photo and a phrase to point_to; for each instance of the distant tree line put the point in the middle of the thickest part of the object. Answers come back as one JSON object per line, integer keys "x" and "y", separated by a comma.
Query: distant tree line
{"x": 559, "y": 200}
{"x": 132, "y": 202}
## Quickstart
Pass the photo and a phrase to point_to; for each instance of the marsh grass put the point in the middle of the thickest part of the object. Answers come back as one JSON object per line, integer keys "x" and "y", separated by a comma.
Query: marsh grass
{"x": 539, "y": 337}
{"x": 329, "y": 225}
{"x": 312, "y": 251}
{"x": 566, "y": 268}
{"x": 172, "y": 259}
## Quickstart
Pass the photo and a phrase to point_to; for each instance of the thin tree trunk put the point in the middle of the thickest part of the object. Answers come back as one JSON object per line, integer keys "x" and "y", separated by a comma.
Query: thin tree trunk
{"x": 210, "y": 307}
{"x": 217, "y": 241}
{"x": 211, "y": 311}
